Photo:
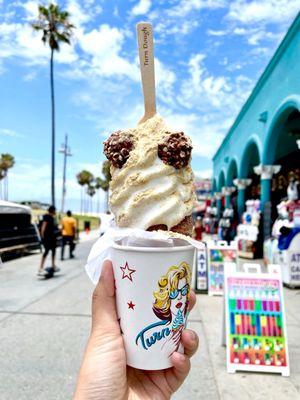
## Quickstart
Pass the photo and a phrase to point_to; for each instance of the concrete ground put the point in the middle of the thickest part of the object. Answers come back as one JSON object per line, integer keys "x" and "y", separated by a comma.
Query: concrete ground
{"x": 44, "y": 325}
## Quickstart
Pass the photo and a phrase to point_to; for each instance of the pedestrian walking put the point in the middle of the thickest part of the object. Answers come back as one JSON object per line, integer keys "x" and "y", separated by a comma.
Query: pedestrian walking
{"x": 48, "y": 234}
{"x": 69, "y": 225}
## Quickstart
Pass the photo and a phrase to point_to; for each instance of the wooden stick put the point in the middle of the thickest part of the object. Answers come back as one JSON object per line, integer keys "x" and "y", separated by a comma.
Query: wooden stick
{"x": 145, "y": 44}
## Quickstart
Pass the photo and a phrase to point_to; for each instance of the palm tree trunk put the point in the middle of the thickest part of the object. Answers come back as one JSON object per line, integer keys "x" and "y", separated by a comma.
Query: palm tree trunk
{"x": 6, "y": 194}
{"x": 53, "y": 131}
{"x": 106, "y": 200}
{"x": 98, "y": 201}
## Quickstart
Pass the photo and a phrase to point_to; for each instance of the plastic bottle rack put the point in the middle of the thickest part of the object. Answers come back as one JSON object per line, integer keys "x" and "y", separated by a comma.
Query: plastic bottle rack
{"x": 256, "y": 325}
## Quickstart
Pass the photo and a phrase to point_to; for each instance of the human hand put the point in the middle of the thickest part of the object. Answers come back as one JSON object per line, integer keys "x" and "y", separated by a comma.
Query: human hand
{"x": 104, "y": 374}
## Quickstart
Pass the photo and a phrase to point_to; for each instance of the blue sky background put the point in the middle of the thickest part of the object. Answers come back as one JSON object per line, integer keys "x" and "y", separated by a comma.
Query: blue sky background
{"x": 209, "y": 54}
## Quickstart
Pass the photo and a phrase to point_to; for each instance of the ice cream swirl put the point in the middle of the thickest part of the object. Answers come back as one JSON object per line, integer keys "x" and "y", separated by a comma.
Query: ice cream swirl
{"x": 146, "y": 191}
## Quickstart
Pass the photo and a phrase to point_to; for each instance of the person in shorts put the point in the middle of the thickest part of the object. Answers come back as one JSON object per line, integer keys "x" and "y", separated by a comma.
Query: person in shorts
{"x": 48, "y": 236}
{"x": 69, "y": 225}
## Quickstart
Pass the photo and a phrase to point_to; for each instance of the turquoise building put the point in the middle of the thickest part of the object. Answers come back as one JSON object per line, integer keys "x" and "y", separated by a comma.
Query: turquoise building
{"x": 265, "y": 134}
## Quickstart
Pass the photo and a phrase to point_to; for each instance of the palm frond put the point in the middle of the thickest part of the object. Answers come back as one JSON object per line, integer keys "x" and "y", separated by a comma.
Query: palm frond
{"x": 54, "y": 24}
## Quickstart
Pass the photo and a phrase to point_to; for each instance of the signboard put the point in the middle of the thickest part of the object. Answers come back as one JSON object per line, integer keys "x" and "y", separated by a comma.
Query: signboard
{"x": 256, "y": 336}
{"x": 291, "y": 269}
{"x": 295, "y": 266}
{"x": 247, "y": 232}
{"x": 217, "y": 256}
{"x": 201, "y": 270}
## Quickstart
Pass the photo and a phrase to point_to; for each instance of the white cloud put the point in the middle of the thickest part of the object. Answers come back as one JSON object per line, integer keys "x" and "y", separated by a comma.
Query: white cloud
{"x": 202, "y": 90}
{"x": 254, "y": 35}
{"x": 249, "y": 12}
{"x": 31, "y": 10}
{"x": 212, "y": 32}
{"x": 104, "y": 46}
{"x": 212, "y": 102}
{"x": 205, "y": 133}
{"x": 82, "y": 12}
{"x": 10, "y": 133}
{"x": 165, "y": 79}
{"x": 30, "y": 76}
{"x": 185, "y": 7}
{"x": 181, "y": 18}
{"x": 30, "y": 180}
{"x": 19, "y": 40}
{"x": 78, "y": 16}
{"x": 141, "y": 8}
{"x": 204, "y": 173}
{"x": 167, "y": 27}
{"x": 260, "y": 35}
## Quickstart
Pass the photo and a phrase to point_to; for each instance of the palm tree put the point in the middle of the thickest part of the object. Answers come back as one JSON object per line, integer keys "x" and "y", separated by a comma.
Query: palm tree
{"x": 81, "y": 182}
{"x": 56, "y": 28}
{"x": 91, "y": 190}
{"x": 2, "y": 176}
{"x": 104, "y": 183}
{"x": 84, "y": 178}
{"x": 7, "y": 161}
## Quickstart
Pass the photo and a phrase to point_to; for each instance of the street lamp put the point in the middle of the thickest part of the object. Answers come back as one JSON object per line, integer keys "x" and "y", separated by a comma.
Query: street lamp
{"x": 66, "y": 151}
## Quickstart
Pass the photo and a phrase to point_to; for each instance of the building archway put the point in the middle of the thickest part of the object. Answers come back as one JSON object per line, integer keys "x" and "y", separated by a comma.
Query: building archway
{"x": 250, "y": 159}
{"x": 281, "y": 149}
{"x": 214, "y": 185}
{"x": 221, "y": 184}
{"x": 232, "y": 174}
{"x": 282, "y": 133}
{"x": 221, "y": 180}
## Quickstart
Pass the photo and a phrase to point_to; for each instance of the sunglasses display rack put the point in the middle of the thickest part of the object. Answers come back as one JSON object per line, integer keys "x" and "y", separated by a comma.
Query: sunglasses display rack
{"x": 218, "y": 254}
{"x": 256, "y": 337}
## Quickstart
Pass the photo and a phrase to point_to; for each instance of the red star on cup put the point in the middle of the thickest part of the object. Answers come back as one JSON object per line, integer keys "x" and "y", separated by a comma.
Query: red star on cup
{"x": 131, "y": 305}
{"x": 127, "y": 272}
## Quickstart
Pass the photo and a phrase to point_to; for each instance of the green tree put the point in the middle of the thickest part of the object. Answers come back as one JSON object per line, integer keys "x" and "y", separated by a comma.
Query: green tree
{"x": 84, "y": 179}
{"x": 103, "y": 183}
{"x": 7, "y": 161}
{"x": 56, "y": 29}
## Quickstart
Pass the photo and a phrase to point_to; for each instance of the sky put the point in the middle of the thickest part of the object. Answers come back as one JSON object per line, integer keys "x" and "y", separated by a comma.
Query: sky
{"x": 208, "y": 56}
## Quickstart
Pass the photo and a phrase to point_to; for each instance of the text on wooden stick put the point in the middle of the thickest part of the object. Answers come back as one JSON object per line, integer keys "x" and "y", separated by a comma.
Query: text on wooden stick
{"x": 146, "y": 35}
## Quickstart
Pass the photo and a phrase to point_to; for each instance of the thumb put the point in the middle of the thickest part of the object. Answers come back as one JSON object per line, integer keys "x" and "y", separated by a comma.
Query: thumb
{"x": 104, "y": 314}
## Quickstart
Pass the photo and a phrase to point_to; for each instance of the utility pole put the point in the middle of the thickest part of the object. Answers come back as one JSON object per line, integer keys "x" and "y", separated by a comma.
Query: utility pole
{"x": 66, "y": 151}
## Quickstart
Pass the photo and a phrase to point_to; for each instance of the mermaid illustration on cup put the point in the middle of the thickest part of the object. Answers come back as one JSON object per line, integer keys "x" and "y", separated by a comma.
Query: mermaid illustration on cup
{"x": 172, "y": 300}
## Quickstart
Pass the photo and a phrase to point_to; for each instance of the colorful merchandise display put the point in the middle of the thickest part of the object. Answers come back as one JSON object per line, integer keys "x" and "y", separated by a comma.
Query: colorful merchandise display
{"x": 283, "y": 247}
{"x": 255, "y": 320}
{"x": 249, "y": 232}
{"x": 217, "y": 256}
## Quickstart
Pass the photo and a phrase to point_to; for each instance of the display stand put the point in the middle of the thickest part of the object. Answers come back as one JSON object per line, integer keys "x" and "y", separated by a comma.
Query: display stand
{"x": 201, "y": 271}
{"x": 218, "y": 254}
{"x": 256, "y": 336}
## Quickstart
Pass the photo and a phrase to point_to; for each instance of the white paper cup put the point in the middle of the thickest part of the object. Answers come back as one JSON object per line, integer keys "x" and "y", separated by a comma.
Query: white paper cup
{"x": 152, "y": 292}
